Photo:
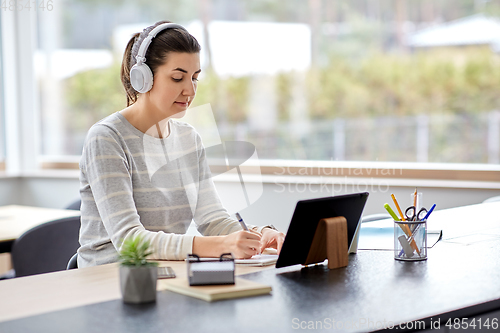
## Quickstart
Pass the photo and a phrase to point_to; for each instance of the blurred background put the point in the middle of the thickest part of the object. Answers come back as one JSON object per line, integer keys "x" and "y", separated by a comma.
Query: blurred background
{"x": 353, "y": 80}
{"x": 338, "y": 96}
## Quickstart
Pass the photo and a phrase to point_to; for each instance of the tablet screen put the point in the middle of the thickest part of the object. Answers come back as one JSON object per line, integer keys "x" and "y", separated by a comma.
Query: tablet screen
{"x": 305, "y": 220}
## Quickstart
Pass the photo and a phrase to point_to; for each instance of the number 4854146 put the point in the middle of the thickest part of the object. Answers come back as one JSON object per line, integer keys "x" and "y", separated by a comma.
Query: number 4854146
{"x": 29, "y": 5}
{"x": 474, "y": 323}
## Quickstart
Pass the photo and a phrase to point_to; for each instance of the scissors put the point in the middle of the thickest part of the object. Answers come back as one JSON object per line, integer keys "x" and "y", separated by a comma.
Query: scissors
{"x": 411, "y": 214}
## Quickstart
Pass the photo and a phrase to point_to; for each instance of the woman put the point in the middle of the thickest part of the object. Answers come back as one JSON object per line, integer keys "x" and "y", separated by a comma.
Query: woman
{"x": 144, "y": 173}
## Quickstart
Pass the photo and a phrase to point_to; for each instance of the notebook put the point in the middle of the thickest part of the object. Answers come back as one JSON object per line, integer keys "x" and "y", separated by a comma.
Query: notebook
{"x": 241, "y": 288}
{"x": 259, "y": 260}
{"x": 256, "y": 260}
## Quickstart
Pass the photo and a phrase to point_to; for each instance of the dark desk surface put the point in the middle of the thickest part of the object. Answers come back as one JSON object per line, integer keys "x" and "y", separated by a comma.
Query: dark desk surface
{"x": 460, "y": 279}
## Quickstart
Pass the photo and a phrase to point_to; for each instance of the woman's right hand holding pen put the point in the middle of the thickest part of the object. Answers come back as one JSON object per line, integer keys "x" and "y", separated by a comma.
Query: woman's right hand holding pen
{"x": 242, "y": 244}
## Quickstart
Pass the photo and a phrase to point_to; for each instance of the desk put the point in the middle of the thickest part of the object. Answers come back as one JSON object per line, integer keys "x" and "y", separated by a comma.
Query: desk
{"x": 460, "y": 279}
{"x": 15, "y": 220}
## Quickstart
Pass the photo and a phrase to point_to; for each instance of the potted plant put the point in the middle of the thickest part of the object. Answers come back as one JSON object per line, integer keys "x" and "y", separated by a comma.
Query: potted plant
{"x": 137, "y": 275}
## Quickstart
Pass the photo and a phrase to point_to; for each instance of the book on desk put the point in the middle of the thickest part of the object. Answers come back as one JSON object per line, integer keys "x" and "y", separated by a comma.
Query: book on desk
{"x": 241, "y": 288}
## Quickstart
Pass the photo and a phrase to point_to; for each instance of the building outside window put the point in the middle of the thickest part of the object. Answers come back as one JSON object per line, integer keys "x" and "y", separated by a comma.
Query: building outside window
{"x": 396, "y": 81}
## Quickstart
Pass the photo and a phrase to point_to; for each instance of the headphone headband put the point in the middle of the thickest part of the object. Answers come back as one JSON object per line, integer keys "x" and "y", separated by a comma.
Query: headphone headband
{"x": 140, "y": 58}
{"x": 141, "y": 76}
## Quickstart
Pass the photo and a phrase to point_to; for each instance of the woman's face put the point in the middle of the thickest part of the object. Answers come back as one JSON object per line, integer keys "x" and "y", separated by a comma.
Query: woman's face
{"x": 174, "y": 85}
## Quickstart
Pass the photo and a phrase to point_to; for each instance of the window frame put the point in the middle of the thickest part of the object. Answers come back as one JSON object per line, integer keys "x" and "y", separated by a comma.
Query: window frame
{"x": 21, "y": 109}
{"x": 22, "y": 137}
{"x": 485, "y": 176}
{"x": 2, "y": 105}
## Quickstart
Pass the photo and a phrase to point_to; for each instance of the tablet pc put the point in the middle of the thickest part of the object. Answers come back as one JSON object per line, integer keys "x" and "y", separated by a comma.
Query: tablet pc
{"x": 305, "y": 220}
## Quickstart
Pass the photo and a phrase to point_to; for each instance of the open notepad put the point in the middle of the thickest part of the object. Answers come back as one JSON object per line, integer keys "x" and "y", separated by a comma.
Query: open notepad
{"x": 257, "y": 260}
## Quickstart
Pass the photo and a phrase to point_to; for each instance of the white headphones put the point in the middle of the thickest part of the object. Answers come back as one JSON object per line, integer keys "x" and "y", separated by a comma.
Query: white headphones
{"x": 141, "y": 76}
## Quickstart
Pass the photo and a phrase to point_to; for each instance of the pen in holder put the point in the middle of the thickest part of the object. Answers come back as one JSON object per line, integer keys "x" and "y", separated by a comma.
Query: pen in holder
{"x": 410, "y": 240}
{"x": 417, "y": 200}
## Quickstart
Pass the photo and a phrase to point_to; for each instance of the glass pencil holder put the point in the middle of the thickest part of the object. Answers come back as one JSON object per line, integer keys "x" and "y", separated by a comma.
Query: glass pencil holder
{"x": 410, "y": 240}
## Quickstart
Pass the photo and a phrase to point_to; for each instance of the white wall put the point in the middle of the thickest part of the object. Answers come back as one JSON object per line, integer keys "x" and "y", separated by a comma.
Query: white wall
{"x": 274, "y": 207}
{"x": 50, "y": 192}
{"x": 10, "y": 191}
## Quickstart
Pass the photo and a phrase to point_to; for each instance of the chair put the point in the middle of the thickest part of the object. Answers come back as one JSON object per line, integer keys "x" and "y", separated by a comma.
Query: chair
{"x": 492, "y": 199}
{"x": 73, "y": 262}
{"x": 46, "y": 248}
{"x": 374, "y": 217}
{"x": 75, "y": 205}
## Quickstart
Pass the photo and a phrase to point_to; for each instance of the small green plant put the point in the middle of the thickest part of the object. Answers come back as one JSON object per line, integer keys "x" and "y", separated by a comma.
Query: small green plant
{"x": 134, "y": 251}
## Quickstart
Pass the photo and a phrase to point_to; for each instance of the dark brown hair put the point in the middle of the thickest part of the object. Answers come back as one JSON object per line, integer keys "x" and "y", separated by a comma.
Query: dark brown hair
{"x": 169, "y": 40}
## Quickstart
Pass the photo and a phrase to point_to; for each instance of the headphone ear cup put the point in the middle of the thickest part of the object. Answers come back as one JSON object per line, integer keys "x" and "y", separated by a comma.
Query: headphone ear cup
{"x": 141, "y": 78}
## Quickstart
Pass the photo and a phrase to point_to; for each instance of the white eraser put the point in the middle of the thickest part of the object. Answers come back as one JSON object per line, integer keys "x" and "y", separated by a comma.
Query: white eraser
{"x": 406, "y": 246}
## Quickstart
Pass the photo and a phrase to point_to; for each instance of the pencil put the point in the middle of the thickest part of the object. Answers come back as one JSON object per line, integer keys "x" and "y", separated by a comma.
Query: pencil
{"x": 391, "y": 212}
{"x": 397, "y": 207}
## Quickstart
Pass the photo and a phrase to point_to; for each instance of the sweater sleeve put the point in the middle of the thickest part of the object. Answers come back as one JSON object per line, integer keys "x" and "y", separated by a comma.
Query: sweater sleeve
{"x": 107, "y": 167}
{"x": 211, "y": 218}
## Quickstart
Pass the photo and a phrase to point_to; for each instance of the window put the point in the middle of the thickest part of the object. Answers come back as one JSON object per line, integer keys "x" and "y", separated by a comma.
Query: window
{"x": 301, "y": 80}
{"x": 2, "y": 107}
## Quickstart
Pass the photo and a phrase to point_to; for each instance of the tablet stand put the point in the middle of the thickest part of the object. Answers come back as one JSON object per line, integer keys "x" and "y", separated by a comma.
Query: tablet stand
{"x": 330, "y": 242}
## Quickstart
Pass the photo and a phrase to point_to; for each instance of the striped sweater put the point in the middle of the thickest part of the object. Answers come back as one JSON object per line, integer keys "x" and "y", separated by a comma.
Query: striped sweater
{"x": 134, "y": 184}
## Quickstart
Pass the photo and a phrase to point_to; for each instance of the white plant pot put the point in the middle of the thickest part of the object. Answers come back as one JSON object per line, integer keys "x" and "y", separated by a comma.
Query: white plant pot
{"x": 138, "y": 284}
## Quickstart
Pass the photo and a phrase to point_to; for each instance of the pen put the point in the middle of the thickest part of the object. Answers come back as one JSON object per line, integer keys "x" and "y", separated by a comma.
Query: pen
{"x": 429, "y": 212}
{"x": 242, "y": 223}
{"x": 390, "y": 211}
{"x": 397, "y": 206}
{"x": 415, "y": 199}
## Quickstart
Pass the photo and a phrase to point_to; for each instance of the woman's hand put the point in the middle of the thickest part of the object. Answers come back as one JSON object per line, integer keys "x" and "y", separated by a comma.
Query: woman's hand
{"x": 271, "y": 238}
{"x": 242, "y": 244}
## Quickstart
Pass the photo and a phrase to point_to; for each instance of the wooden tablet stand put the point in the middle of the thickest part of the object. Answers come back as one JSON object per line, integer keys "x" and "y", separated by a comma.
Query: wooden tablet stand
{"x": 330, "y": 242}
